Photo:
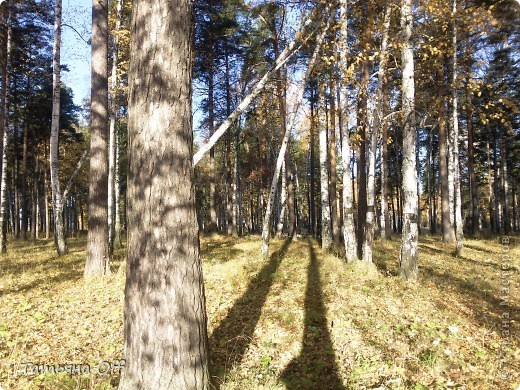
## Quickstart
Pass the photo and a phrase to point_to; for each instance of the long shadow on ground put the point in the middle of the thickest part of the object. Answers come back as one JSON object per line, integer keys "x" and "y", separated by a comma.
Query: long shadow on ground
{"x": 315, "y": 368}
{"x": 229, "y": 341}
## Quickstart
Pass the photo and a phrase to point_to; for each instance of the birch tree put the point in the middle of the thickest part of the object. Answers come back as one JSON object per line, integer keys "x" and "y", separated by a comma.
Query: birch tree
{"x": 409, "y": 253}
{"x": 326, "y": 227}
{"x": 372, "y": 142}
{"x": 112, "y": 146}
{"x": 459, "y": 234}
{"x": 281, "y": 154}
{"x": 57, "y": 199}
{"x": 349, "y": 229}
{"x": 5, "y": 14}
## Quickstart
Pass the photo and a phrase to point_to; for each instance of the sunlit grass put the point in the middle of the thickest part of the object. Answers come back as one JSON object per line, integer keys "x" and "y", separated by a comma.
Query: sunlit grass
{"x": 302, "y": 318}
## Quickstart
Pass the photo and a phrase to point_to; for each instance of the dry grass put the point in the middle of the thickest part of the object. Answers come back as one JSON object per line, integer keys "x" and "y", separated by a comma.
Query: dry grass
{"x": 301, "y": 319}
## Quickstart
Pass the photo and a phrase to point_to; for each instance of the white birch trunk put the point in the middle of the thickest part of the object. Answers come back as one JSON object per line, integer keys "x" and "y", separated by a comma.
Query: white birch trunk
{"x": 281, "y": 155}
{"x": 459, "y": 233}
{"x": 283, "y": 202}
{"x": 349, "y": 230}
{"x": 372, "y": 144}
{"x": 282, "y": 59}
{"x": 4, "y": 107}
{"x": 409, "y": 253}
{"x": 57, "y": 200}
{"x": 112, "y": 159}
{"x": 326, "y": 228}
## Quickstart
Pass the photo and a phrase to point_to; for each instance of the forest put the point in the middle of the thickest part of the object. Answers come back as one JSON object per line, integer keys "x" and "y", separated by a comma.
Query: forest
{"x": 261, "y": 194}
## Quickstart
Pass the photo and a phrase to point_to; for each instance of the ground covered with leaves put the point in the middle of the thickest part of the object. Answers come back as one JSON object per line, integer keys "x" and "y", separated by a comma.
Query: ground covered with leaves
{"x": 301, "y": 319}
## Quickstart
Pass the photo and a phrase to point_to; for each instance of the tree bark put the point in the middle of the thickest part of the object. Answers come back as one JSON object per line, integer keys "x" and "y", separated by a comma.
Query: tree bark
{"x": 349, "y": 227}
{"x": 372, "y": 142}
{"x": 473, "y": 185}
{"x": 409, "y": 251}
{"x": 281, "y": 154}
{"x": 448, "y": 233}
{"x": 57, "y": 200}
{"x": 97, "y": 240}
{"x": 112, "y": 147}
{"x": 326, "y": 228}
{"x": 4, "y": 114}
{"x": 459, "y": 233}
{"x": 336, "y": 231}
{"x": 165, "y": 316}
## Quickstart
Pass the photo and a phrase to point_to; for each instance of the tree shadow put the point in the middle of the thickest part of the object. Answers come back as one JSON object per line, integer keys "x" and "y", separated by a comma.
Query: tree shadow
{"x": 315, "y": 368}
{"x": 230, "y": 340}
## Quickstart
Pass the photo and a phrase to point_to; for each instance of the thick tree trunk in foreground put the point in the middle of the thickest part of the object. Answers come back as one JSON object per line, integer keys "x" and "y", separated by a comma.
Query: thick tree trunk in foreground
{"x": 97, "y": 241}
{"x": 165, "y": 315}
{"x": 409, "y": 253}
{"x": 57, "y": 199}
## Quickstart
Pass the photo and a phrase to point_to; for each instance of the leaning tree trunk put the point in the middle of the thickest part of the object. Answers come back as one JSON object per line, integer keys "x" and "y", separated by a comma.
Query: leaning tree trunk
{"x": 349, "y": 229}
{"x": 165, "y": 316}
{"x": 97, "y": 240}
{"x": 57, "y": 199}
{"x": 281, "y": 155}
{"x": 409, "y": 253}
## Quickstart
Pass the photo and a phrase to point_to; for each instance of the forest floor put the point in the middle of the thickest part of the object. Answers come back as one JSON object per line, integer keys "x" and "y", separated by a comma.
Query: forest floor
{"x": 301, "y": 319}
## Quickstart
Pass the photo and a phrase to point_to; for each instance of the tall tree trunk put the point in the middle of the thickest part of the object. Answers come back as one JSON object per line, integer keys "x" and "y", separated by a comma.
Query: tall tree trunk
{"x": 312, "y": 158}
{"x": 505, "y": 184}
{"x": 112, "y": 147}
{"x": 372, "y": 142}
{"x": 363, "y": 123}
{"x": 98, "y": 257}
{"x": 45, "y": 194}
{"x": 4, "y": 118}
{"x": 57, "y": 200}
{"x": 24, "y": 201}
{"x": 34, "y": 197}
{"x": 409, "y": 252}
{"x": 229, "y": 175}
{"x": 349, "y": 227}
{"x": 336, "y": 231}
{"x": 459, "y": 233}
{"x": 281, "y": 155}
{"x": 165, "y": 316}
{"x": 326, "y": 228}
{"x": 473, "y": 185}
{"x": 491, "y": 189}
{"x": 448, "y": 232}
{"x": 212, "y": 169}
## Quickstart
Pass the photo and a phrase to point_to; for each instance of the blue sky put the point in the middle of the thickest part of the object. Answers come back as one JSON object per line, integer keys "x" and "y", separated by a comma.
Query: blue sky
{"x": 75, "y": 52}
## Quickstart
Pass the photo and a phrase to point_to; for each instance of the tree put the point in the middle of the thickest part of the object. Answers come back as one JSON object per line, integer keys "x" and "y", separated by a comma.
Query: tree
{"x": 97, "y": 242}
{"x": 409, "y": 254}
{"x": 57, "y": 200}
{"x": 349, "y": 228}
{"x": 165, "y": 317}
